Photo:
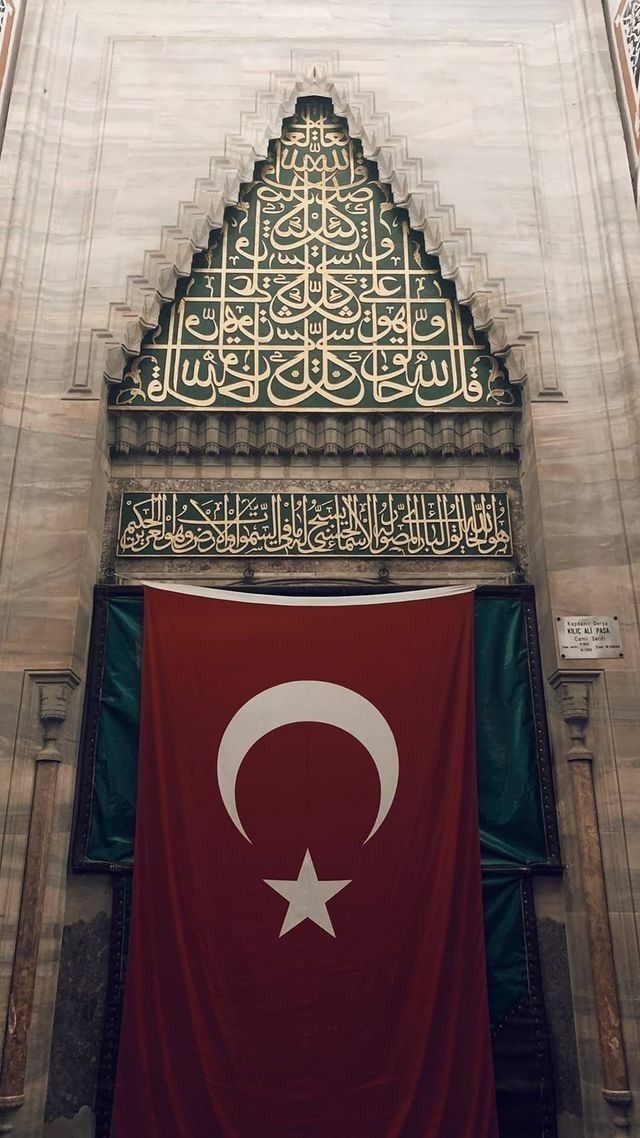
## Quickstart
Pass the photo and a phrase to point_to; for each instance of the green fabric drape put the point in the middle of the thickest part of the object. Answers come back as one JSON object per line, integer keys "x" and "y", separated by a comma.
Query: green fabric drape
{"x": 504, "y": 943}
{"x": 511, "y": 822}
{"x": 113, "y": 803}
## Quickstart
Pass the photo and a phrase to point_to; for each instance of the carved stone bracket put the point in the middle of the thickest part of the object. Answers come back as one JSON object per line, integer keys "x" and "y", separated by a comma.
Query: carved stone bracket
{"x": 54, "y": 691}
{"x": 574, "y": 688}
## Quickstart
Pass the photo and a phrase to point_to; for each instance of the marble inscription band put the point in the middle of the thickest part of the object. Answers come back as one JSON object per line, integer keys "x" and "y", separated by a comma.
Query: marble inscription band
{"x": 322, "y": 525}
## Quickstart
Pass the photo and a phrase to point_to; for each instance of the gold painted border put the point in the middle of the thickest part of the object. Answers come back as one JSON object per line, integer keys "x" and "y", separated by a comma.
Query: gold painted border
{"x": 270, "y": 409}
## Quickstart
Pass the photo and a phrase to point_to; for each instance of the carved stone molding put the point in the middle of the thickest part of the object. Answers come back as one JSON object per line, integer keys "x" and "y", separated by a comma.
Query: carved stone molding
{"x": 284, "y": 435}
{"x": 574, "y": 687}
{"x": 468, "y": 270}
{"x": 55, "y": 688}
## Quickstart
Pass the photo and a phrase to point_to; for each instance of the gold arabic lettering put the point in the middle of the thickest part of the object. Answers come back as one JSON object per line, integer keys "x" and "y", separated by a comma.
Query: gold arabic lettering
{"x": 315, "y": 295}
{"x": 302, "y": 524}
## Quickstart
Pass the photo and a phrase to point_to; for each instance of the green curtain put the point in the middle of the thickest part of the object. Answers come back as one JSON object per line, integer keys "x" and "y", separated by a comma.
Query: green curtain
{"x": 113, "y": 797}
{"x": 504, "y": 943}
{"x": 509, "y": 799}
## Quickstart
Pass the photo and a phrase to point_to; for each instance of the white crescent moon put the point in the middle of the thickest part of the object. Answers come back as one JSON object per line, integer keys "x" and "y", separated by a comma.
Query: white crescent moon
{"x": 308, "y": 701}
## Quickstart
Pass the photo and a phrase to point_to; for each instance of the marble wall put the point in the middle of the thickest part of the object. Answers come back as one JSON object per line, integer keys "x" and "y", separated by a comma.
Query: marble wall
{"x": 506, "y": 114}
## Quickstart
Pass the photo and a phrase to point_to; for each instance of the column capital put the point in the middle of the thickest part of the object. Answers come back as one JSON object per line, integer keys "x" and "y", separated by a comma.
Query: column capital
{"x": 54, "y": 689}
{"x": 573, "y": 686}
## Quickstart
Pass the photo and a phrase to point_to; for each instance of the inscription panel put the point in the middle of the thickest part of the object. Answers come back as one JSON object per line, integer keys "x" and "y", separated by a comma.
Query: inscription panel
{"x": 315, "y": 524}
{"x": 315, "y": 296}
{"x": 589, "y": 637}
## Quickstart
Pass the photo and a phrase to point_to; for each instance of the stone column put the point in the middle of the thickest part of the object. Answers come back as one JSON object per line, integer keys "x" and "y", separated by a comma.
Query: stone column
{"x": 54, "y": 690}
{"x": 574, "y": 688}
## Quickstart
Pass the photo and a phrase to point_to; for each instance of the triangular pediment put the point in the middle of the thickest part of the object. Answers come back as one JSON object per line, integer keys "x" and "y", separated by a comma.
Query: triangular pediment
{"x": 315, "y": 296}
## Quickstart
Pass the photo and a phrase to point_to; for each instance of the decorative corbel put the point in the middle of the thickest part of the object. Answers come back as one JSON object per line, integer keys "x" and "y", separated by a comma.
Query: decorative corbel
{"x": 574, "y": 688}
{"x": 54, "y": 690}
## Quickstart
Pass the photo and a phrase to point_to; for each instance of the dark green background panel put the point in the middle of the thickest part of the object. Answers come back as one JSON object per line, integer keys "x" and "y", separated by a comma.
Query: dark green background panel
{"x": 504, "y": 943}
{"x": 509, "y": 793}
{"x": 113, "y": 798}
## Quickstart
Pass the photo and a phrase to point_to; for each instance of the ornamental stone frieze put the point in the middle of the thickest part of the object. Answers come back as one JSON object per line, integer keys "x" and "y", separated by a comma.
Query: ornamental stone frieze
{"x": 276, "y": 435}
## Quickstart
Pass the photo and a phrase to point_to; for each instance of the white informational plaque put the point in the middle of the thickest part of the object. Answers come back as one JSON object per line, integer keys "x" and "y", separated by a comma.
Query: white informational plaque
{"x": 589, "y": 637}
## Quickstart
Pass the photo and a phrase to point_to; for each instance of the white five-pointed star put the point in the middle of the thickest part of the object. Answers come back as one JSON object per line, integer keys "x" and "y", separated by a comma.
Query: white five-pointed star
{"x": 307, "y": 897}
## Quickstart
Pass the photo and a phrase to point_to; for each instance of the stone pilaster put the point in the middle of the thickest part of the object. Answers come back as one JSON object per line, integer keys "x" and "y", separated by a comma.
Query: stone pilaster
{"x": 54, "y": 691}
{"x": 574, "y": 689}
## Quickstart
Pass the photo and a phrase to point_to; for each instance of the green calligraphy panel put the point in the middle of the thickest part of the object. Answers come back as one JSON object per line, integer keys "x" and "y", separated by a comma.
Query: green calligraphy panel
{"x": 321, "y": 525}
{"x": 315, "y": 296}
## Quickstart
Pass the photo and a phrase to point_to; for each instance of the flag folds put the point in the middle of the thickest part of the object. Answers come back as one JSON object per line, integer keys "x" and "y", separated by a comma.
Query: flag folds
{"x": 307, "y": 955}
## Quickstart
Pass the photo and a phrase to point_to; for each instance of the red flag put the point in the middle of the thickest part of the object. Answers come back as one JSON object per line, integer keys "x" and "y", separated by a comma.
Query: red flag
{"x": 307, "y": 956}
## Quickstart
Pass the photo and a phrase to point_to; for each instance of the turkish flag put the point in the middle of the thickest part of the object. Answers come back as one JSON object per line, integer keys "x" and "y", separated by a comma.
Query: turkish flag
{"x": 307, "y": 955}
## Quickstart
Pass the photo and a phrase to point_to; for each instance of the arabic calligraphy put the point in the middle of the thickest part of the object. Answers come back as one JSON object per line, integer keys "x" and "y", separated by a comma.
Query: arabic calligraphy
{"x": 315, "y": 295}
{"x": 321, "y": 525}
